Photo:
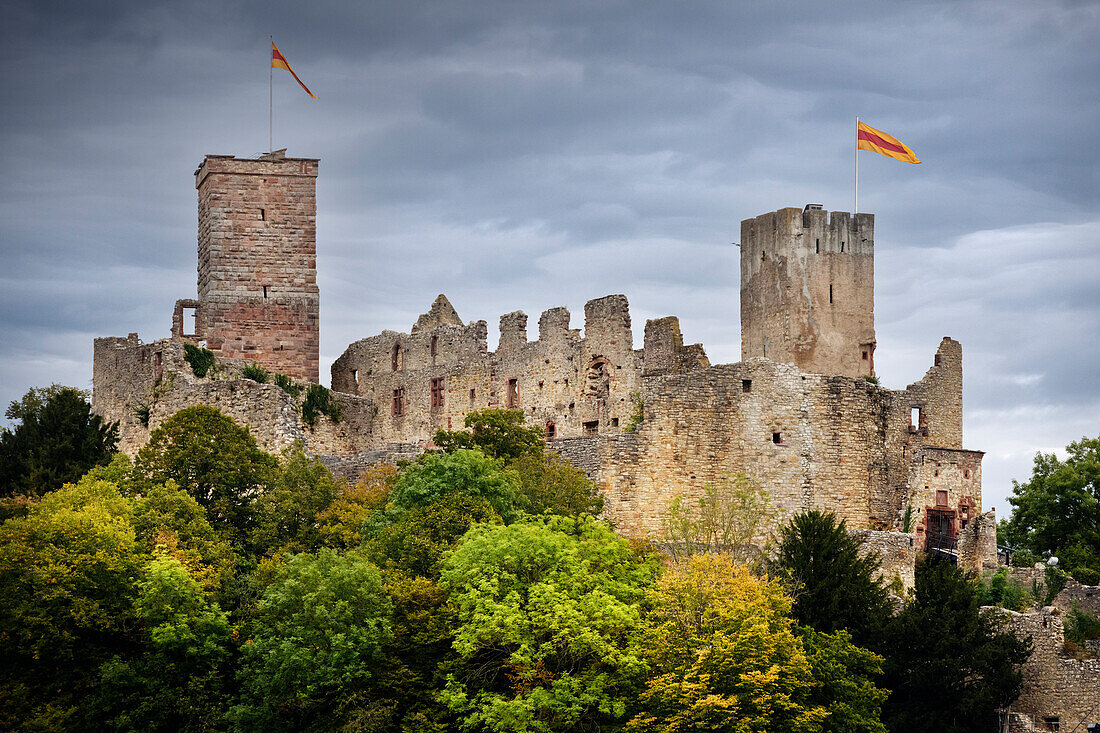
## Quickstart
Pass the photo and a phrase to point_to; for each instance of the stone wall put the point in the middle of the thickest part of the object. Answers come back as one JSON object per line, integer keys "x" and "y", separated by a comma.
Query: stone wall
{"x": 978, "y": 544}
{"x": 568, "y": 385}
{"x": 897, "y": 552}
{"x": 1054, "y": 684}
{"x": 257, "y": 261}
{"x": 807, "y": 290}
{"x": 130, "y": 377}
{"x": 833, "y": 443}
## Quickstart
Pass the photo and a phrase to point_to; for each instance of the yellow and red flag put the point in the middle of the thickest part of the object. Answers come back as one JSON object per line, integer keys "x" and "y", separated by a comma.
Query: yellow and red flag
{"x": 278, "y": 61}
{"x": 879, "y": 142}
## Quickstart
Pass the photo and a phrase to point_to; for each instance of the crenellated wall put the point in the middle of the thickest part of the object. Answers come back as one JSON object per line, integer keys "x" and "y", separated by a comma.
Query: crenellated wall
{"x": 571, "y": 386}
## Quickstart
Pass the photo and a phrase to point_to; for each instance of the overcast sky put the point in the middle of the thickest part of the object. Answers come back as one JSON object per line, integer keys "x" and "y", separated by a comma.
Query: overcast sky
{"x": 525, "y": 155}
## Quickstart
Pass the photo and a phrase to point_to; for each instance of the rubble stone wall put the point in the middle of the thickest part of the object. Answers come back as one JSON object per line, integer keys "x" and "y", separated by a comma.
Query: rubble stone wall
{"x": 1054, "y": 684}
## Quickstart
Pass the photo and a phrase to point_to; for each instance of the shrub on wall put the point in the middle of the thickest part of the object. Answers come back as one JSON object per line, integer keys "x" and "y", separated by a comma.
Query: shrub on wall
{"x": 287, "y": 384}
{"x": 319, "y": 402}
{"x": 255, "y": 372}
{"x": 201, "y": 360}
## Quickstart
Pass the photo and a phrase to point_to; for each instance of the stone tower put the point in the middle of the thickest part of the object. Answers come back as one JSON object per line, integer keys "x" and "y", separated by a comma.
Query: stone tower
{"x": 808, "y": 290}
{"x": 258, "y": 297}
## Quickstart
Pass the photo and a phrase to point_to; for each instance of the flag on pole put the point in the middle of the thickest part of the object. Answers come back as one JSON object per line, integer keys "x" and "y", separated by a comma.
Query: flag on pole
{"x": 278, "y": 61}
{"x": 879, "y": 142}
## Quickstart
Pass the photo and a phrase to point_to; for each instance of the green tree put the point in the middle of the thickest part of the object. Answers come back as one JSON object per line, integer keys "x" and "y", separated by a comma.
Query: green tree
{"x": 844, "y": 675}
{"x": 289, "y": 510}
{"x": 341, "y": 524}
{"x": 463, "y": 471}
{"x": 724, "y": 655}
{"x": 949, "y": 665}
{"x": 733, "y": 516}
{"x": 834, "y": 584}
{"x": 549, "y": 484}
{"x": 68, "y": 574}
{"x": 1058, "y": 509}
{"x": 321, "y": 629}
{"x": 213, "y": 459}
{"x": 496, "y": 433}
{"x": 416, "y": 542}
{"x": 56, "y": 440}
{"x": 544, "y": 614}
{"x": 174, "y": 681}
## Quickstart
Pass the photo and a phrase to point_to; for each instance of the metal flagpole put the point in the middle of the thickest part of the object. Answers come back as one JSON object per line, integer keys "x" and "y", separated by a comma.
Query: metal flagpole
{"x": 270, "y": 103}
{"x": 855, "y": 186}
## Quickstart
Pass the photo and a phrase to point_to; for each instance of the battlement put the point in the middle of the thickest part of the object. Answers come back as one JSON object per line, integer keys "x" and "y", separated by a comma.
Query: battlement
{"x": 269, "y": 164}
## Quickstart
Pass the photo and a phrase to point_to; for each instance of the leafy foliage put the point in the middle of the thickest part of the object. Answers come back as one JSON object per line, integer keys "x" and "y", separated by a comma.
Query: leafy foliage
{"x": 545, "y": 615}
{"x": 319, "y": 402}
{"x": 213, "y": 459}
{"x": 1058, "y": 509}
{"x": 469, "y": 472}
{"x": 835, "y": 586}
{"x": 321, "y": 629}
{"x": 201, "y": 360}
{"x": 56, "y": 441}
{"x": 288, "y": 512}
{"x": 174, "y": 680}
{"x": 549, "y": 484}
{"x": 68, "y": 573}
{"x": 287, "y": 384}
{"x": 724, "y": 654}
{"x": 731, "y": 517}
{"x": 497, "y": 433}
{"x": 256, "y": 373}
{"x": 844, "y": 674}
{"x": 949, "y": 665}
{"x": 341, "y": 524}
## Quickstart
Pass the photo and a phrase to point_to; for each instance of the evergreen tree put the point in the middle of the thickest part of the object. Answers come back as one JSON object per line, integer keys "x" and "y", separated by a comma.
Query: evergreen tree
{"x": 835, "y": 586}
{"x": 949, "y": 665}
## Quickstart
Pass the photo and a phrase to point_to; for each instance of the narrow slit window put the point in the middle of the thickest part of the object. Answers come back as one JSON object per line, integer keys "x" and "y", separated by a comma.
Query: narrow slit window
{"x": 817, "y": 246}
{"x": 842, "y": 246}
{"x": 265, "y": 292}
{"x": 434, "y": 347}
{"x": 473, "y": 396}
{"x": 395, "y": 357}
{"x": 512, "y": 400}
{"x": 263, "y": 215}
{"x": 830, "y": 292}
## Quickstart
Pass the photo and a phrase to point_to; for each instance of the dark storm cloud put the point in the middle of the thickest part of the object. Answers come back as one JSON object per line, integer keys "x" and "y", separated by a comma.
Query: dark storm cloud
{"x": 529, "y": 155}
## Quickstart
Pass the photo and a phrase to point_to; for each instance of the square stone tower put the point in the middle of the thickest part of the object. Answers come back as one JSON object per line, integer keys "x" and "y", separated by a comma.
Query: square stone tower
{"x": 258, "y": 297}
{"x": 808, "y": 290}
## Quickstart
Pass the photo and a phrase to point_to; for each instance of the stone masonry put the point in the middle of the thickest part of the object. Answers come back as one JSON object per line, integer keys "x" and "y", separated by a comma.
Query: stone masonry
{"x": 257, "y": 265}
{"x": 801, "y": 414}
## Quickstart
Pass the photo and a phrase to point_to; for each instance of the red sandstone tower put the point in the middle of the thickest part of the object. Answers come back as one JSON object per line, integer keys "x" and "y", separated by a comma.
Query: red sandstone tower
{"x": 257, "y": 270}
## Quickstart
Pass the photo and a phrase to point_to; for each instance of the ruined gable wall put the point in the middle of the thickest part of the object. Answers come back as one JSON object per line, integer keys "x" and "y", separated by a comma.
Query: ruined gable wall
{"x": 578, "y": 385}
{"x": 1054, "y": 685}
{"x": 128, "y": 374}
{"x": 807, "y": 290}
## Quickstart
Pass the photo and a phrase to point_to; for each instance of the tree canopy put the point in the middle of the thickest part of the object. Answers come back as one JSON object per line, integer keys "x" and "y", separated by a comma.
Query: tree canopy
{"x": 1058, "y": 509}
{"x": 56, "y": 441}
{"x": 496, "y": 433}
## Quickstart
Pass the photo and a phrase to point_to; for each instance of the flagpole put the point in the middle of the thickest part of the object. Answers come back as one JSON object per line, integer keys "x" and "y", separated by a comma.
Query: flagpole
{"x": 855, "y": 185}
{"x": 270, "y": 103}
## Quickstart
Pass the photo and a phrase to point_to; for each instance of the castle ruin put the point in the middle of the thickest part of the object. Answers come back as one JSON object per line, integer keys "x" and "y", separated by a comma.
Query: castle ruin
{"x": 801, "y": 413}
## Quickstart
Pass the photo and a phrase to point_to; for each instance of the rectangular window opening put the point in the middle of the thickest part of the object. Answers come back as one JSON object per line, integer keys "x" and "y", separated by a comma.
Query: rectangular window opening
{"x": 265, "y": 292}
{"x": 936, "y": 361}
{"x": 746, "y": 385}
{"x": 551, "y": 430}
{"x": 914, "y": 416}
{"x": 263, "y": 215}
{"x": 777, "y": 438}
{"x": 434, "y": 348}
{"x": 437, "y": 393}
{"x": 473, "y": 396}
{"x": 592, "y": 427}
{"x": 398, "y": 408}
{"x": 512, "y": 400}
{"x": 817, "y": 246}
{"x": 614, "y": 422}
{"x": 941, "y": 497}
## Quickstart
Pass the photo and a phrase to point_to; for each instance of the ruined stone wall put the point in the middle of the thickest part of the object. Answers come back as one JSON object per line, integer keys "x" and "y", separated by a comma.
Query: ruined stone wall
{"x": 807, "y": 290}
{"x": 1054, "y": 684}
{"x": 257, "y": 270}
{"x": 978, "y": 544}
{"x": 897, "y": 552}
{"x": 130, "y": 377}
{"x": 838, "y": 444}
{"x": 569, "y": 385}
